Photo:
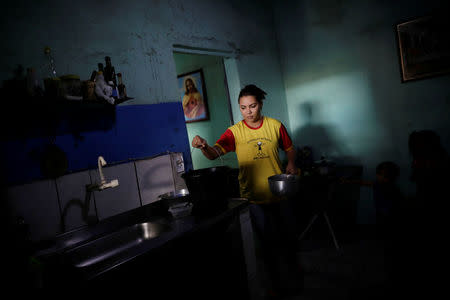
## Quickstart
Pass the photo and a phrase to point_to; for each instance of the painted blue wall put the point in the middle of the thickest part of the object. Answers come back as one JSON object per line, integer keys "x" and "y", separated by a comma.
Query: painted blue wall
{"x": 138, "y": 131}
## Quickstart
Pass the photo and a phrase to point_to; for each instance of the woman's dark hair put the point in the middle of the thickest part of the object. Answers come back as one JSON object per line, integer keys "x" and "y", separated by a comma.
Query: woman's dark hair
{"x": 253, "y": 90}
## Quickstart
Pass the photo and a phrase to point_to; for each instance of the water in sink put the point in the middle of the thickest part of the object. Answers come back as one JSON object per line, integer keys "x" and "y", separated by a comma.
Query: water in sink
{"x": 115, "y": 243}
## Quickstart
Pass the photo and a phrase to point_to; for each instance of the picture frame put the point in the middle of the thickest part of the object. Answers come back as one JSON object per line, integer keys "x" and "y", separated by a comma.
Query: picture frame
{"x": 195, "y": 103}
{"x": 424, "y": 47}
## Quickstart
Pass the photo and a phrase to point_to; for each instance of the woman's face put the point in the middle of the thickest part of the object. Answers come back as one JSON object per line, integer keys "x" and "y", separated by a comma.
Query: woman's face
{"x": 250, "y": 108}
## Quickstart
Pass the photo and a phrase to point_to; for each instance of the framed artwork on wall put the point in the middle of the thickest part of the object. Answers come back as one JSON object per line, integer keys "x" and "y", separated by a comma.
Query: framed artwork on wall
{"x": 424, "y": 47}
{"x": 193, "y": 96}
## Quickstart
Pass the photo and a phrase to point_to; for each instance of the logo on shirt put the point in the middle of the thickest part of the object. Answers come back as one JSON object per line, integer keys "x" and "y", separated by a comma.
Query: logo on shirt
{"x": 259, "y": 151}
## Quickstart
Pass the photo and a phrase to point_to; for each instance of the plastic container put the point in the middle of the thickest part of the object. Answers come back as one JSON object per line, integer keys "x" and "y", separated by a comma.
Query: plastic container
{"x": 53, "y": 88}
{"x": 71, "y": 85}
{"x": 181, "y": 209}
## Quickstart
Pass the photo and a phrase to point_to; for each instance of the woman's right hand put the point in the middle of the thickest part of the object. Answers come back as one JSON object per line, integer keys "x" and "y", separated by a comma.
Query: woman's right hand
{"x": 199, "y": 143}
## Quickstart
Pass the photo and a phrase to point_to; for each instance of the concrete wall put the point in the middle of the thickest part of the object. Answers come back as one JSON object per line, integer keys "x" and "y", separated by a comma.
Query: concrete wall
{"x": 139, "y": 36}
{"x": 344, "y": 92}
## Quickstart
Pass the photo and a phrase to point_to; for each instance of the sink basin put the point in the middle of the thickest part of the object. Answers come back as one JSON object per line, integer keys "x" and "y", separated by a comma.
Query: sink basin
{"x": 114, "y": 243}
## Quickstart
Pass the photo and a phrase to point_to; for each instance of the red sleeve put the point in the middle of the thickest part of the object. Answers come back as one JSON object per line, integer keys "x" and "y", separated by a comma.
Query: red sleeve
{"x": 226, "y": 141}
{"x": 285, "y": 140}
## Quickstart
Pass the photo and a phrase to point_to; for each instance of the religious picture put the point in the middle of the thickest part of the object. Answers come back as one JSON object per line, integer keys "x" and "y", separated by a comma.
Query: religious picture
{"x": 193, "y": 95}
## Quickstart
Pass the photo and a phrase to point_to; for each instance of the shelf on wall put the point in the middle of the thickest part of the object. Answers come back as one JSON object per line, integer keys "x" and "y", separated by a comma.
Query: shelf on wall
{"x": 39, "y": 116}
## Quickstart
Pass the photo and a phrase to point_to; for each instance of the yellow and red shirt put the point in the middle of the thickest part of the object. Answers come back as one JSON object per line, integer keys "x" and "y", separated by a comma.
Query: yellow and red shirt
{"x": 257, "y": 154}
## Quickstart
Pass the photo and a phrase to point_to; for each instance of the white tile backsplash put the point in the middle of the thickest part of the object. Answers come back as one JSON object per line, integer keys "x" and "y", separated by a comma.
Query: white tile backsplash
{"x": 155, "y": 177}
{"x": 37, "y": 204}
{"x": 119, "y": 199}
{"x": 42, "y": 203}
{"x": 72, "y": 198}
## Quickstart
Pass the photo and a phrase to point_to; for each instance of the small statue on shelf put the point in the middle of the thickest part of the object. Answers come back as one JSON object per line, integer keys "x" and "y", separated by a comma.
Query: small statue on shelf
{"x": 102, "y": 89}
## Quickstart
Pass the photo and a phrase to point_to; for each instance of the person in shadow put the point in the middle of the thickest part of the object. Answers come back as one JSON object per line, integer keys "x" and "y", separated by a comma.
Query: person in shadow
{"x": 386, "y": 194}
{"x": 430, "y": 172}
{"x": 388, "y": 202}
{"x": 320, "y": 137}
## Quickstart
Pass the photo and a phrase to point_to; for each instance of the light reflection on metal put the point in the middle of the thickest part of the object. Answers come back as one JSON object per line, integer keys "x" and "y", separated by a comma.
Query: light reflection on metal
{"x": 115, "y": 243}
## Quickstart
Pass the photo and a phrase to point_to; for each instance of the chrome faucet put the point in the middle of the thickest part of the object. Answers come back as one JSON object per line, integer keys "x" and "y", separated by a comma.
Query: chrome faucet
{"x": 101, "y": 162}
{"x": 103, "y": 184}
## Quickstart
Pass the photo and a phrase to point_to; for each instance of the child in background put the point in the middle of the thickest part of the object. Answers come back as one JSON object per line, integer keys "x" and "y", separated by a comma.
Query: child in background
{"x": 388, "y": 201}
{"x": 386, "y": 195}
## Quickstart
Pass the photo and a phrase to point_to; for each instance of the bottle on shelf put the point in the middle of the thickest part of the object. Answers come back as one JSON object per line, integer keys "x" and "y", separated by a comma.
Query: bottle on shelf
{"x": 121, "y": 87}
{"x": 115, "y": 92}
{"x": 93, "y": 75}
{"x": 113, "y": 76}
{"x": 116, "y": 84}
{"x": 32, "y": 82}
{"x": 108, "y": 69}
{"x": 51, "y": 61}
{"x": 52, "y": 84}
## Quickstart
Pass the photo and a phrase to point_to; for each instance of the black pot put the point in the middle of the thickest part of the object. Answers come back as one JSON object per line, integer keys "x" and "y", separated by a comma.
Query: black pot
{"x": 208, "y": 189}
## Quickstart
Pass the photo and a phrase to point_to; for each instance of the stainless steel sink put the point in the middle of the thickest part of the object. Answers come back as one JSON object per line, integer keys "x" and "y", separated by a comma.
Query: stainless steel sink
{"x": 114, "y": 243}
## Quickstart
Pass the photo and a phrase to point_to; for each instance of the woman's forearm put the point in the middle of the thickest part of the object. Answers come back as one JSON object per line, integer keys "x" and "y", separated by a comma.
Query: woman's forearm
{"x": 291, "y": 156}
{"x": 211, "y": 152}
{"x": 291, "y": 167}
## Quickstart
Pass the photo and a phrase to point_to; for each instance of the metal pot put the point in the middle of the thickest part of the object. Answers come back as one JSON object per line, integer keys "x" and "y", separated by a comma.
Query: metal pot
{"x": 284, "y": 184}
{"x": 175, "y": 194}
{"x": 175, "y": 197}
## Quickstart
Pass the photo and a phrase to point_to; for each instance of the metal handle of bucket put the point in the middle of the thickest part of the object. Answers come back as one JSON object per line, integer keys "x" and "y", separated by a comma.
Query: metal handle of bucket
{"x": 220, "y": 156}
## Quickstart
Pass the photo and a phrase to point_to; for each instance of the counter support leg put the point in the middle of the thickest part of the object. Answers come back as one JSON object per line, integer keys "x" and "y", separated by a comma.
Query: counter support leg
{"x": 253, "y": 273}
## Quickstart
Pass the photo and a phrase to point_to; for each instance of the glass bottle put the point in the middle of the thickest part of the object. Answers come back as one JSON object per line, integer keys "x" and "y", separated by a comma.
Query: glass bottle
{"x": 31, "y": 82}
{"x": 93, "y": 75}
{"x": 113, "y": 76}
{"x": 121, "y": 87}
{"x": 108, "y": 69}
{"x": 51, "y": 61}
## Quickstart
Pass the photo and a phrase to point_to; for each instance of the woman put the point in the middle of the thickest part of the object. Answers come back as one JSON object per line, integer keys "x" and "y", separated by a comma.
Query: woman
{"x": 256, "y": 140}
